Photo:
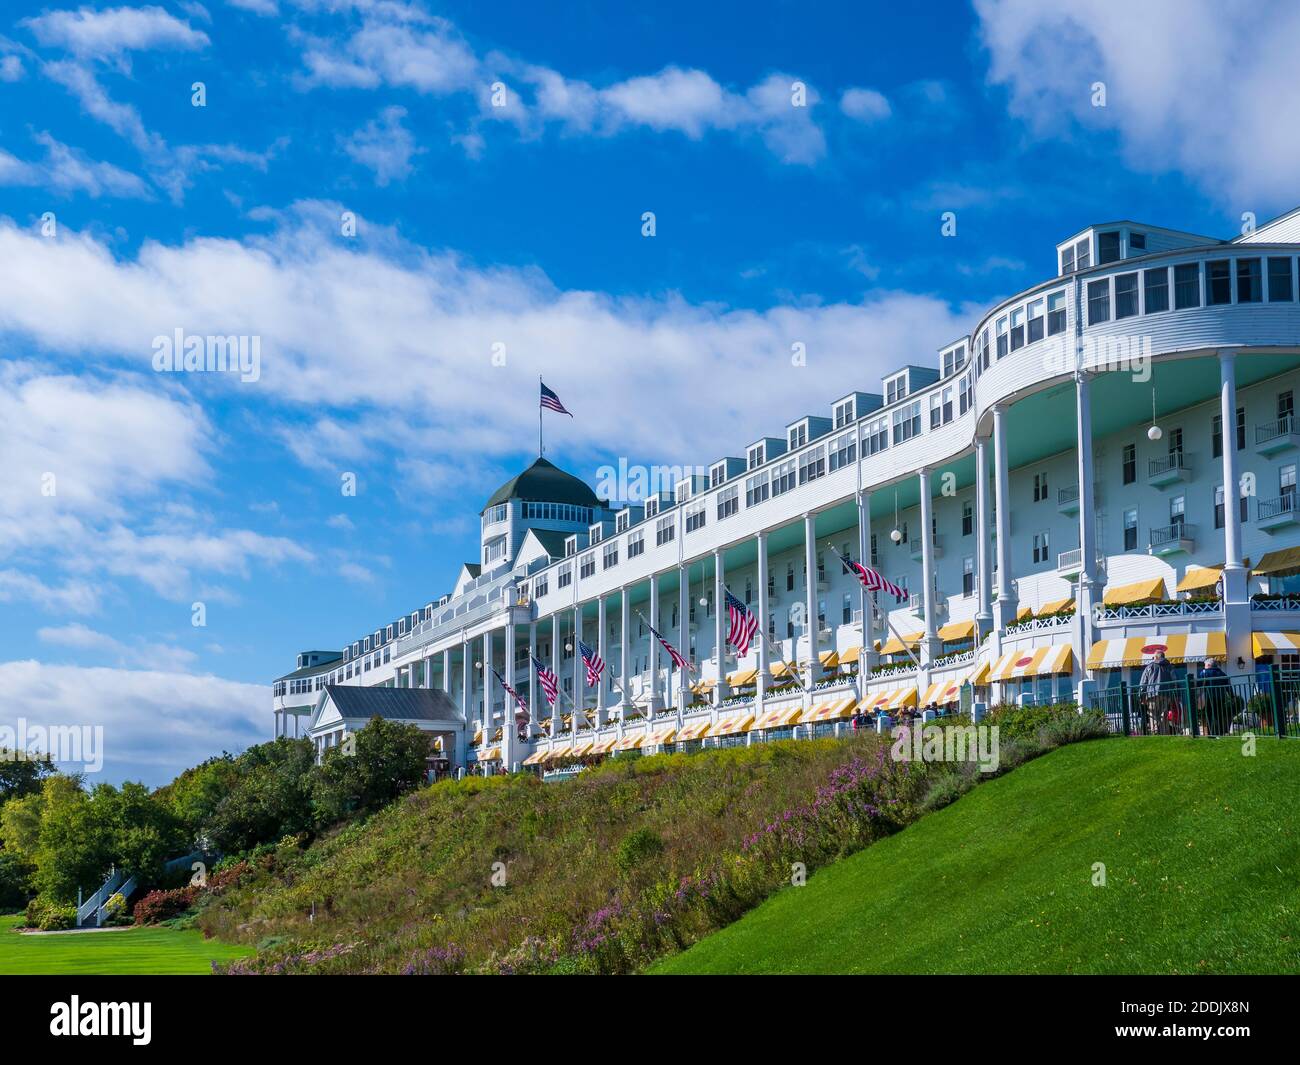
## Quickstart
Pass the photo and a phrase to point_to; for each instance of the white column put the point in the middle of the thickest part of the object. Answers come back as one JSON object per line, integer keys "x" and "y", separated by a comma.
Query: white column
{"x": 983, "y": 556}
{"x": 624, "y": 651}
{"x": 654, "y": 647}
{"x": 930, "y": 641}
{"x": 555, "y": 668}
{"x": 683, "y": 633}
{"x": 446, "y": 671}
{"x": 810, "y": 590}
{"x": 484, "y": 676}
{"x": 763, "y": 663}
{"x": 534, "y": 692}
{"x": 602, "y": 690}
{"x": 579, "y": 672}
{"x": 1236, "y": 580}
{"x": 1004, "y": 610}
{"x": 509, "y": 736}
{"x": 1081, "y": 630}
{"x": 719, "y": 635}
{"x": 867, "y": 658}
{"x": 467, "y": 682}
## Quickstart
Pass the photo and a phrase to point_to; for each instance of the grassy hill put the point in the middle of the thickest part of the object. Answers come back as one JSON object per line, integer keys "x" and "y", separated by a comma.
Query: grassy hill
{"x": 1201, "y": 848}
{"x": 165, "y": 951}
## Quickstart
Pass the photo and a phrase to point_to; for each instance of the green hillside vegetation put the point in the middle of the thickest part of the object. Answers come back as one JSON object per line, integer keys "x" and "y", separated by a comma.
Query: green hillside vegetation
{"x": 628, "y": 862}
{"x": 165, "y": 951}
{"x": 1201, "y": 848}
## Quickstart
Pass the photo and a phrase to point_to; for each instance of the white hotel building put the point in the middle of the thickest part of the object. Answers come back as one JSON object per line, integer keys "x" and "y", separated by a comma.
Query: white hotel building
{"x": 1051, "y": 494}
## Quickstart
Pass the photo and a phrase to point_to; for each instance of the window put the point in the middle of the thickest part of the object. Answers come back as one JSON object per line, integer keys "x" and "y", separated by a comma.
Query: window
{"x": 1137, "y": 242}
{"x": 756, "y": 489}
{"x": 1155, "y": 284}
{"x": 798, "y": 436}
{"x": 783, "y": 477}
{"x": 695, "y": 518}
{"x": 812, "y": 464}
{"x": 844, "y": 450}
{"x": 1003, "y": 341}
{"x": 665, "y": 531}
{"x": 623, "y": 521}
{"x": 635, "y": 544}
{"x": 495, "y": 514}
{"x": 1035, "y": 321}
{"x": 1067, "y": 260}
{"x": 754, "y": 457}
{"x": 846, "y": 616}
{"x": 1131, "y": 529}
{"x": 877, "y": 436}
{"x": 1279, "y": 280}
{"x": 1178, "y": 511}
{"x": 875, "y": 552}
{"x": 728, "y": 501}
{"x": 843, "y": 413}
{"x": 964, "y": 394}
{"x": 611, "y": 555}
{"x": 896, "y": 389}
{"x": 1099, "y": 301}
{"x": 651, "y": 507}
{"x": 789, "y": 576}
{"x": 1218, "y": 282}
{"x": 968, "y": 576}
{"x": 967, "y": 518}
{"x": 1187, "y": 286}
{"x": 1040, "y": 547}
{"x": 1219, "y": 515}
{"x": 541, "y": 585}
{"x": 1040, "y": 487}
{"x": 1107, "y": 248}
{"x": 1055, "y": 313}
{"x": 1286, "y": 484}
{"x": 983, "y": 359}
{"x": 587, "y": 565}
{"x": 1249, "y": 283}
{"x": 907, "y": 422}
{"x": 1017, "y": 328}
{"x": 1285, "y": 409}
{"x": 1129, "y": 465}
{"x": 1126, "y": 295}
{"x": 1083, "y": 254}
{"x": 1176, "y": 444}
{"x": 717, "y": 475}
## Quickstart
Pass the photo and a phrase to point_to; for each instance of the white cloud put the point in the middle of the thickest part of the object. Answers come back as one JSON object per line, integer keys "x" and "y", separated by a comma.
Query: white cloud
{"x": 257, "y": 7}
{"x": 113, "y": 31}
{"x": 11, "y": 68}
{"x": 1186, "y": 82}
{"x": 384, "y": 145}
{"x": 156, "y": 722}
{"x": 865, "y": 105}
{"x": 66, "y": 170}
{"x": 77, "y": 597}
{"x": 79, "y": 636}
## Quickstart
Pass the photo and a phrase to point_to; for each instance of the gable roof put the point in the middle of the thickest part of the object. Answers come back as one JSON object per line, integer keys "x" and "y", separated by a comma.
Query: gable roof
{"x": 550, "y": 541}
{"x": 357, "y": 702}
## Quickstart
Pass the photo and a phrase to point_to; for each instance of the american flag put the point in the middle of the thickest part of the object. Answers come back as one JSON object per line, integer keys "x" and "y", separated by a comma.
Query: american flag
{"x": 595, "y": 665}
{"x": 550, "y": 682}
{"x": 743, "y": 625}
{"x": 519, "y": 699}
{"x": 673, "y": 653}
{"x": 552, "y": 402}
{"x": 871, "y": 579}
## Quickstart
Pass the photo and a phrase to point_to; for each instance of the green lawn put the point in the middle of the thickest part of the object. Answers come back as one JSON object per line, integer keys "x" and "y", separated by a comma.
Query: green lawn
{"x": 1201, "y": 848}
{"x": 134, "y": 950}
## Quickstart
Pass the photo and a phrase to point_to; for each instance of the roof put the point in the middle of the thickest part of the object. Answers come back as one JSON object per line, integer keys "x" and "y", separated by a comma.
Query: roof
{"x": 393, "y": 704}
{"x": 552, "y": 542}
{"x": 545, "y": 482}
{"x": 311, "y": 671}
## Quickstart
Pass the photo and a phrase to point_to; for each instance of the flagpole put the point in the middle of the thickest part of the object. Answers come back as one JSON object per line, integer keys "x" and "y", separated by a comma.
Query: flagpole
{"x": 762, "y": 635}
{"x": 541, "y": 449}
{"x": 876, "y": 612}
{"x": 670, "y": 657}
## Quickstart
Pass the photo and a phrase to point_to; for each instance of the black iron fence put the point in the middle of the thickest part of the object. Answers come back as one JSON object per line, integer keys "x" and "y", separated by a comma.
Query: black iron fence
{"x": 1265, "y": 704}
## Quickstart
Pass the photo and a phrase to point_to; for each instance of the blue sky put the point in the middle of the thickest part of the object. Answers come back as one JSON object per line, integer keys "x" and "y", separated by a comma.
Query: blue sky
{"x": 517, "y": 225}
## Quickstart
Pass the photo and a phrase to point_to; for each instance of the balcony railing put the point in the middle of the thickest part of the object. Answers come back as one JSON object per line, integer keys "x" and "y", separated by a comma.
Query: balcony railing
{"x": 1277, "y": 603}
{"x": 1267, "y": 432}
{"x": 1284, "y": 505}
{"x": 1182, "y": 608}
{"x": 1168, "y": 464}
{"x": 1178, "y": 536}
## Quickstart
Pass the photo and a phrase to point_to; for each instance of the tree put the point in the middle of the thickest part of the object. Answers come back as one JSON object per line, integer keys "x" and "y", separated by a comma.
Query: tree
{"x": 270, "y": 798}
{"x": 389, "y": 760}
{"x": 195, "y": 795}
{"x": 21, "y": 773}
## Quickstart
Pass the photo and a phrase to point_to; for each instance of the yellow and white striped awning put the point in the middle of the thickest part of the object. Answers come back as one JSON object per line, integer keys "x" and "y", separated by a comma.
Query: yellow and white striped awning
{"x": 1151, "y": 590}
{"x": 782, "y": 669}
{"x": 829, "y": 659}
{"x": 1138, "y": 650}
{"x": 742, "y": 677}
{"x": 1044, "y": 661}
{"x": 1281, "y": 563}
{"x": 942, "y": 692}
{"x": 1024, "y": 613}
{"x": 538, "y": 755}
{"x": 957, "y": 630}
{"x": 894, "y": 646}
{"x": 778, "y": 718}
{"x": 731, "y": 724}
{"x": 850, "y": 655}
{"x": 604, "y": 746}
{"x": 1268, "y": 643}
{"x": 693, "y": 730}
{"x": 632, "y": 740}
{"x": 1056, "y": 606}
{"x": 1198, "y": 577}
{"x": 492, "y": 754}
{"x": 661, "y": 735}
{"x": 831, "y": 709}
{"x": 896, "y": 699}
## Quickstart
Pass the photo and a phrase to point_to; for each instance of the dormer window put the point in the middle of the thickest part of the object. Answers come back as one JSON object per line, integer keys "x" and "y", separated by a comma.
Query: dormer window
{"x": 755, "y": 457}
{"x": 717, "y": 475}
{"x": 896, "y": 389}
{"x": 1137, "y": 242}
{"x": 798, "y": 436}
{"x": 844, "y": 413}
{"x": 623, "y": 521}
{"x": 1083, "y": 254}
{"x": 1107, "y": 248}
{"x": 651, "y": 507}
{"x": 596, "y": 533}
{"x": 570, "y": 545}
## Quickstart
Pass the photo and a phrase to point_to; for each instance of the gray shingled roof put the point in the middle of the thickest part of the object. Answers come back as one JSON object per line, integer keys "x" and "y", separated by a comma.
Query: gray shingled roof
{"x": 410, "y": 704}
{"x": 545, "y": 482}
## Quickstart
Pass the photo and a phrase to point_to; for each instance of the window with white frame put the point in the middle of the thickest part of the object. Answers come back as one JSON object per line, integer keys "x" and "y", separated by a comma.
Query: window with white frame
{"x": 728, "y": 501}
{"x": 907, "y": 422}
{"x": 895, "y": 389}
{"x": 635, "y": 544}
{"x": 754, "y": 457}
{"x": 611, "y": 554}
{"x": 876, "y": 435}
{"x": 843, "y": 413}
{"x": 783, "y": 477}
{"x": 798, "y": 436}
{"x": 565, "y": 577}
{"x": 665, "y": 531}
{"x": 587, "y": 565}
{"x": 812, "y": 464}
{"x": 695, "y": 516}
{"x": 756, "y": 488}
{"x": 1040, "y": 547}
{"x": 1056, "y": 313}
{"x": 843, "y": 450}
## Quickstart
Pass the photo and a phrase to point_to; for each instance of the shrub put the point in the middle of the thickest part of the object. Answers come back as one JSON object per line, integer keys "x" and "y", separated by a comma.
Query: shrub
{"x": 158, "y": 906}
{"x": 50, "y": 916}
{"x": 637, "y": 847}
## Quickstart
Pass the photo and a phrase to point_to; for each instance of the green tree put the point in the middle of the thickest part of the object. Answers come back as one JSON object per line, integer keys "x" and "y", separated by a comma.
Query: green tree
{"x": 389, "y": 760}
{"x": 270, "y": 798}
{"x": 21, "y": 774}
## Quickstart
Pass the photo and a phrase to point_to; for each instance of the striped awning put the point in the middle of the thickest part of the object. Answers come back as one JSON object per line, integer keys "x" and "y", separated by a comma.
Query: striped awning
{"x": 1267, "y": 643}
{"x": 1284, "y": 563}
{"x": 537, "y": 756}
{"x": 742, "y": 677}
{"x": 693, "y": 730}
{"x": 1044, "y": 661}
{"x": 1138, "y": 650}
{"x": 604, "y": 746}
{"x": 478, "y": 737}
{"x": 661, "y": 735}
{"x": 850, "y": 655}
{"x": 731, "y": 724}
{"x": 632, "y": 740}
{"x": 942, "y": 692}
{"x": 778, "y": 718}
{"x": 896, "y": 647}
{"x": 1024, "y": 613}
{"x": 781, "y": 669}
{"x": 829, "y": 659}
{"x": 1151, "y": 590}
{"x": 492, "y": 754}
{"x": 957, "y": 630}
{"x": 1056, "y": 606}
{"x": 831, "y": 709}
{"x": 894, "y": 699}
{"x": 1198, "y": 577}
{"x": 582, "y": 747}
